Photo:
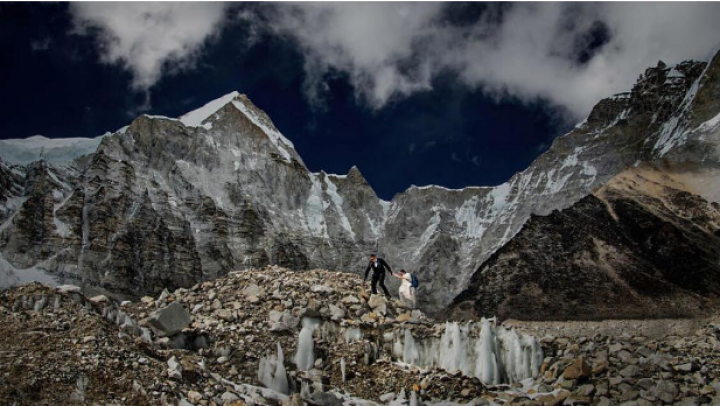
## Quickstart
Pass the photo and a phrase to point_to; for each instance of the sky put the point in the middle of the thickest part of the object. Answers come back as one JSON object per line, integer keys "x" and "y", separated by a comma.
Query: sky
{"x": 454, "y": 94}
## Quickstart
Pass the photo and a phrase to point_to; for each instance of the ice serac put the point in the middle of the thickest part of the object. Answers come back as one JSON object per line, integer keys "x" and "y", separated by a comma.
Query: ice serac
{"x": 305, "y": 356}
{"x": 272, "y": 373}
{"x": 492, "y": 354}
{"x": 166, "y": 202}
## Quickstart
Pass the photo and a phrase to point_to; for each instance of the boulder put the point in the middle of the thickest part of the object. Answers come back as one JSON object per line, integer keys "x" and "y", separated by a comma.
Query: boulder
{"x": 253, "y": 290}
{"x": 615, "y": 347}
{"x": 599, "y": 367}
{"x": 274, "y": 316}
{"x": 665, "y": 391}
{"x": 403, "y": 317}
{"x": 100, "y": 299}
{"x": 323, "y": 399}
{"x": 169, "y": 320}
{"x": 228, "y": 397}
{"x": 174, "y": 368}
{"x": 285, "y": 318}
{"x": 585, "y": 390}
{"x": 279, "y": 327}
{"x": 350, "y": 299}
{"x": 194, "y": 397}
{"x": 336, "y": 313}
{"x": 630, "y": 371}
{"x": 68, "y": 289}
{"x": 378, "y": 304}
{"x": 322, "y": 289}
{"x": 688, "y": 367}
{"x": 369, "y": 317}
{"x": 225, "y": 314}
{"x": 578, "y": 369}
{"x": 416, "y": 316}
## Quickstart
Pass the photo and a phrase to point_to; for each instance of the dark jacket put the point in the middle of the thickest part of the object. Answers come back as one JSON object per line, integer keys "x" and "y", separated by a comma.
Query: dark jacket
{"x": 378, "y": 267}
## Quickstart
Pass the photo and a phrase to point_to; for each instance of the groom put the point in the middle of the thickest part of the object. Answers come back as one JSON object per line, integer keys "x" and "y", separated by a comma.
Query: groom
{"x": 378, "y": 266}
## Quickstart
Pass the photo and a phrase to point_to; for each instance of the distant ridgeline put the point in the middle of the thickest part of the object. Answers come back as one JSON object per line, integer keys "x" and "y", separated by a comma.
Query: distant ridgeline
{"x": 57, "y": 151}
{"x": 168, "y": 202}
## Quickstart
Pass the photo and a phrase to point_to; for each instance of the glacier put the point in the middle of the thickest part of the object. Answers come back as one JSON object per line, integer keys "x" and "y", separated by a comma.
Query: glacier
{"x": 58, "y": 151}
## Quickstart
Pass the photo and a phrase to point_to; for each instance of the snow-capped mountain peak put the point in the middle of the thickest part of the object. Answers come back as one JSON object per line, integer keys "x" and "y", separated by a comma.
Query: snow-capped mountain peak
{"x": 196, "y": 117}
{"x": 221, "y": 189}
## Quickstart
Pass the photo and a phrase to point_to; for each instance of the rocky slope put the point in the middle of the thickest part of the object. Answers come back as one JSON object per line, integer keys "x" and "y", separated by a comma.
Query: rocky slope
{"x": 315, "y": 338}
{"x": 168, "y": 202}
{"x": 642, "y": 246}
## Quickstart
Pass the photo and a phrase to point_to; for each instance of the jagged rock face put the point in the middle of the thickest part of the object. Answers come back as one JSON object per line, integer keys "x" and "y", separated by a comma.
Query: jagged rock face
{"x": 11, "y": 190}
{"x": 642, "y": 246}
{"x": 32, "y": 231}
{"x": 444, "y": 234}
{"x": 165, "y": 202}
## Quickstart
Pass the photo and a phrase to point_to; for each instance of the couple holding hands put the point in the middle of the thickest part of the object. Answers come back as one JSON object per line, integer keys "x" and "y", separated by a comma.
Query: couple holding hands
{"x": 408, "y": 286}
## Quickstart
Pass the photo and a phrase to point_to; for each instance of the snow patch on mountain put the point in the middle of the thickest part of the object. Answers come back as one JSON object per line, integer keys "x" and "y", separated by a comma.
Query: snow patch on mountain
{"x": 11, "y": 276}
{"x": 472, "y": 224}
{"x": 315, "y": 209}
{"x": 711, "y": 124}
{"x": 673, "y": 132}
{"x": 431, "y": 187}
{"x": 11, "y": 205}
{"x": 429, "y": 232}
{"x": 196, "y": 117}
{"x": 338, "y": 202}
{"x": 159, "y": 117}
{"x": 499, "y": 196}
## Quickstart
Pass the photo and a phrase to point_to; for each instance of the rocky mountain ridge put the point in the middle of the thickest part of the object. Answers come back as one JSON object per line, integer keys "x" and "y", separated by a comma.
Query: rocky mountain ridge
{"x": 642, "y": 246}
{"x": 168, "y": 202}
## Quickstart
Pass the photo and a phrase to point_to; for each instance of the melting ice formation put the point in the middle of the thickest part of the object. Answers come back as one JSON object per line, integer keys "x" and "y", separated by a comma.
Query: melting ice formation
{"x": 305, "y": 356}
{"x": 497, "y": 356}
{"x": 272, "y": 372}
{"x": 493, "y": 354}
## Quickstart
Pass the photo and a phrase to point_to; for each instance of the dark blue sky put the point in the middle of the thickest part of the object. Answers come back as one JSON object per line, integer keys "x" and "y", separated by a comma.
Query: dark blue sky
{"x": 53, "y": 83}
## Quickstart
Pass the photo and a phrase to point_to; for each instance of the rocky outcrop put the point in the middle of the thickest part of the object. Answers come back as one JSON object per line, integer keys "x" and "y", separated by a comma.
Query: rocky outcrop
{"x": 275, "y": 326}
{"x": 444, "y": 234}
{"x": 642, "y": 246}
{"x": 164, "y": 203}
{"x": 168, "y": 202}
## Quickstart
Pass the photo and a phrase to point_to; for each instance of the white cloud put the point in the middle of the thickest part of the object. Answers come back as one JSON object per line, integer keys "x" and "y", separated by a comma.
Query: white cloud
{"x": 391, "y": 50}
{"x": 531, "y": 56}
{"x": 369, "y": 42}
{"x": 147, "y": 38}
